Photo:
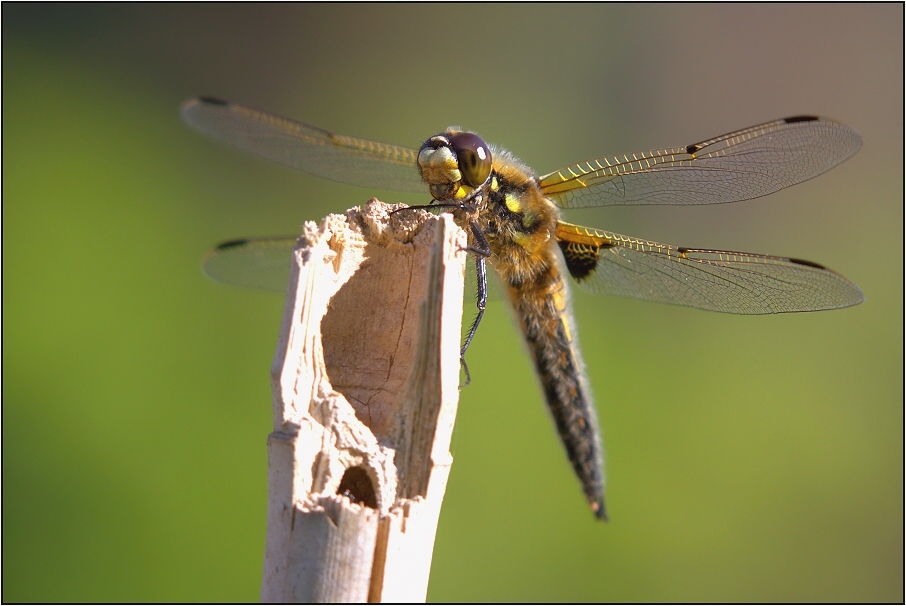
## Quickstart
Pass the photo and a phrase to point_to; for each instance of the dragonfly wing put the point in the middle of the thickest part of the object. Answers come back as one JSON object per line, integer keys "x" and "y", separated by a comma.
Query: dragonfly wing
{"x": 259, "y": 263}
{"x": 307, "y": 148}
{"x": 741, "y": 165}
{"x": 716, "y": 280}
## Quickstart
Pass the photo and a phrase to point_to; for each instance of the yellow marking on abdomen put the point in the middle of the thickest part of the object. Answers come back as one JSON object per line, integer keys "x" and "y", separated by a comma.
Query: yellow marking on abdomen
{"x": 564, "y": 320}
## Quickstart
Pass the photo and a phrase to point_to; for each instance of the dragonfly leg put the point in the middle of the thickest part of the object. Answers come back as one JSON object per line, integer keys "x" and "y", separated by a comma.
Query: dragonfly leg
{"x": 435, "y": 206}
{"x": 482, "y": 250}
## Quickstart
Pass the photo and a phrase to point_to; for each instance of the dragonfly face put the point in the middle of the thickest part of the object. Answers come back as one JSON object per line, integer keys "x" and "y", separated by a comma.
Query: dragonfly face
{"x": 513, "y": 217}
{"x": 454, "y": 164}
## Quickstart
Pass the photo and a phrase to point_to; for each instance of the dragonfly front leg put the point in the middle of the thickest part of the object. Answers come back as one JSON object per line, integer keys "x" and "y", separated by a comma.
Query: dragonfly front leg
{"x": 482, "y": 251}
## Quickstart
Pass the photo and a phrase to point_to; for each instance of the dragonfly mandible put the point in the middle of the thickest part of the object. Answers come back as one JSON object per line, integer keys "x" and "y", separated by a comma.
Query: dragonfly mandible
{"x": 513, "y": 220}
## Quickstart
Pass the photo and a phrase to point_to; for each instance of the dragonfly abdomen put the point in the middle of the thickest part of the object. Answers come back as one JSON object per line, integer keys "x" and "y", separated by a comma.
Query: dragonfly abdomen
{"x": 541, "y": 304}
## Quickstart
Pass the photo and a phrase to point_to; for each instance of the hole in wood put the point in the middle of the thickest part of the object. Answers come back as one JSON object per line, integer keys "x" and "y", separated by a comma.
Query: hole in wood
{"x": 356, "y": 486}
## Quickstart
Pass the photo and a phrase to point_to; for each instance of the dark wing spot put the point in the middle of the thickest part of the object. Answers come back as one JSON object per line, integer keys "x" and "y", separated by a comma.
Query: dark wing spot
{"x": 801, "y": 119}
{"x": 807, "y": 263}
{"x": 233, "y": 243}
{"x": 213, "y": 101}
{"x": 691, "y": 149}
{"x": 581, "y": 259}
{"x": 682, "y": 250}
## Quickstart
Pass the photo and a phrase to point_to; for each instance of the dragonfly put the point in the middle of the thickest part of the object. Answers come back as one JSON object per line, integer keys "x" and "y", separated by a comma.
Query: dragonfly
{"x": 512, "y": 216}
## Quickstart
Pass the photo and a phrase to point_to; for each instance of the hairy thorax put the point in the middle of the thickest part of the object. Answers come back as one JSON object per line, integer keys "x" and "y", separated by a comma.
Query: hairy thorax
{"x": 519, "y": 223}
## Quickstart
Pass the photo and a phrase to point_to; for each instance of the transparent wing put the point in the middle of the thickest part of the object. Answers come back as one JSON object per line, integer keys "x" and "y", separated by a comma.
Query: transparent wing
{"x": 716, "y": 280}
{"x": 307, "y": 148}
{"x": 745, "y": 164}
{"x": 263, "y": 264}
{"x": 259, "y": 263}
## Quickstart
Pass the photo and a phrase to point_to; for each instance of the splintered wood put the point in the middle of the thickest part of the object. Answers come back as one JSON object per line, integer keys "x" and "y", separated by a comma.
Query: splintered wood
{"x": 365, "y": 387}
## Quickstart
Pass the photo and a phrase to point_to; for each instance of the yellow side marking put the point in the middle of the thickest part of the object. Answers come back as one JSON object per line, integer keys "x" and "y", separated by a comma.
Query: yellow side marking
{"x": 513, "y": 203}
{"x": 522, "y": 240}
{"x": 565, "y": 323}
{"x": 463, "y": 191}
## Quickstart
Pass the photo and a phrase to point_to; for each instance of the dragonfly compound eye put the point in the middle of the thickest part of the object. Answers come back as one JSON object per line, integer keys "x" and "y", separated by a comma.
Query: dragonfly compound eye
{"x": 474, "y": 158}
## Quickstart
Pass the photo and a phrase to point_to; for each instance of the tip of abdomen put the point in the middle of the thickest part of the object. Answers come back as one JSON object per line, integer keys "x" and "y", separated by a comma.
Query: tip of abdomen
{"x": 598, "y": 508}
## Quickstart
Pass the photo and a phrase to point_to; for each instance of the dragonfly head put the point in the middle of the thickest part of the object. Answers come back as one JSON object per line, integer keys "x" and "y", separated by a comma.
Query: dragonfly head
{"x": 454, "y": 164}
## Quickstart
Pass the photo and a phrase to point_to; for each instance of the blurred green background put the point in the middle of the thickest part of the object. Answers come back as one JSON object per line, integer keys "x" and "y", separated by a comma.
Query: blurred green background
{"x": 748, "y": 458}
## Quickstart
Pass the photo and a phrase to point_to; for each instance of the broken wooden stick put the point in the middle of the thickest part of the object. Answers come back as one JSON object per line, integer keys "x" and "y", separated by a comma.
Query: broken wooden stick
{"x": 365, "y": 388}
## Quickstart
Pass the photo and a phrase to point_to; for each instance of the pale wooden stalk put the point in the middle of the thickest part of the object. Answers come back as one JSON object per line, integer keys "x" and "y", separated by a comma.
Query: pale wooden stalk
{"x": 365, "y": 378}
